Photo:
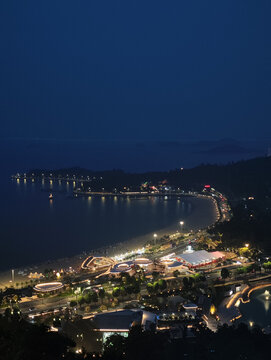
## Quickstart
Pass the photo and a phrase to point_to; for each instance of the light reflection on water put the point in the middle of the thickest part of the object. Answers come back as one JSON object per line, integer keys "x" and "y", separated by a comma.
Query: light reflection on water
{"x": 258, "y": 310}
{"x": 41, "y": 229}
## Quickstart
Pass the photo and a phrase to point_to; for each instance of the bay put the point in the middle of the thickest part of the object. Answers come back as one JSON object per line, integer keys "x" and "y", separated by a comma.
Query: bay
{"x": 35, "y": 229}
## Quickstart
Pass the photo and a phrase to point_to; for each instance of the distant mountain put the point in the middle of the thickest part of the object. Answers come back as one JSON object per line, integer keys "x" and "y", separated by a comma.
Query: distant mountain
{"x": 243, "y": 178}
{"x": 231, "y": 149}
{"x": 240, "y": 179}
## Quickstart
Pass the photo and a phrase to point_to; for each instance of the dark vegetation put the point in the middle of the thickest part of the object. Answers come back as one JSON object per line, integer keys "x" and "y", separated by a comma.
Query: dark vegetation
{"x": 238, "y": 179}
{"x": 251, "y": 223}
{"x": 20, "y": 340}
{"x": 227, "y": 343}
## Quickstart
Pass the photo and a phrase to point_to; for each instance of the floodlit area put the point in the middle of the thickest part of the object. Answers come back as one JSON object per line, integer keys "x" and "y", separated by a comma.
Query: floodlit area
{"x": 136, "y": 252}
{"x": 143, "y": 262}
{"x": 97, "y": 263}
{"x": 191, "y": 259}
{"x": 126, "y": 263}
{"x": 124, "y": 267}
{"x": 171, "y": 264}
{"x": 114, "y": 267}
{"x": 200, "y": 258}
{"x": 128, "y": 266}
{"x": 48, "y": 287}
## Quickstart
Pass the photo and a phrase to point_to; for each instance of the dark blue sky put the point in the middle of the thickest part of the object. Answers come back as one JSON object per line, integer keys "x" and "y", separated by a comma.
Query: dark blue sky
{"x": 135, "y": 69}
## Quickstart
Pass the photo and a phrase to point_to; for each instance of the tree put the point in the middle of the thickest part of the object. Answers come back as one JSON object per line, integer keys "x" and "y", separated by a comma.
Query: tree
{"x": 188, "y": 282}
{"x": 101, "y": 293}
{"x": 185, "y": 282}
{"x": 176, "y": 273}
{"x": 81, "y": 301}
{"x": 114, "y": 347}
{"x": 73, "y": 303}
{"x": 7, "y": 313}
{"x": 155, "y": 275}
{"x": 162, "y": 284}
{"x": 225, "y": 273}
{"x": 138, "y": 345}
{"x": 94, "y": 297}
{"x": 156, "y": 286}
{"x": 116, "y": 292}
{"x": 129, "y": 289}
{"x": 267, "y": 265}
{"x": 126, "y": 278}
{"x": 25, "y": 341}
{"x": 123, "y": 291}
{"x": 150, "y": 288}
{"x": 91, "y": 297}
{"x": 255, "y": 267}
{"x": 67, "y": 314}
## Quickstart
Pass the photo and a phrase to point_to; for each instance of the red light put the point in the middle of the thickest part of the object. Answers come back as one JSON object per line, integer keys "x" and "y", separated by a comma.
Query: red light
{"x": 207, "y": 186}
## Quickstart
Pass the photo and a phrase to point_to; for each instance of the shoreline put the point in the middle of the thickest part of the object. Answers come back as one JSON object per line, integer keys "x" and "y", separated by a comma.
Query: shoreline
{"x": 200, "y": 218}
{"x": 192, "y": 222}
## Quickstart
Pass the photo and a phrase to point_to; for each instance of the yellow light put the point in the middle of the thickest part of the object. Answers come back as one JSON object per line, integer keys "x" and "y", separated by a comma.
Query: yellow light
{"x": 58, "y": 275}
{"x": 212, "y": 309}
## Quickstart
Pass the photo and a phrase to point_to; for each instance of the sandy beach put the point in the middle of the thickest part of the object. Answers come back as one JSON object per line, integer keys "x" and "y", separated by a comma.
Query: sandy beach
{"x": 203, "y": 215}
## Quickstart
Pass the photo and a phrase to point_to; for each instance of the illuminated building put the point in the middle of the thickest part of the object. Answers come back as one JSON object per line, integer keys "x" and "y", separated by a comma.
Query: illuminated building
{"x": 200, "y": 258}
{"x": 91, "y": 332}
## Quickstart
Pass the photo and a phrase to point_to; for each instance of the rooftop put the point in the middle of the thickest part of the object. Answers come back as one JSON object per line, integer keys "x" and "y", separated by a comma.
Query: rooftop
{"x": 200, "y": 257}
{"x": 122, "y": 320}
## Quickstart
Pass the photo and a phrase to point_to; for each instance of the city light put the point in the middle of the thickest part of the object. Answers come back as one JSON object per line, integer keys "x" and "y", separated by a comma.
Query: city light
{"x": 212, "y": 309}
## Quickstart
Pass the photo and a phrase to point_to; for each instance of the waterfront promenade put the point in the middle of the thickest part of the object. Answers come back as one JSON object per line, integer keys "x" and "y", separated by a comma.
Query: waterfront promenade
{"x": 196, "y": 220}
{"x": 228, "y": 310}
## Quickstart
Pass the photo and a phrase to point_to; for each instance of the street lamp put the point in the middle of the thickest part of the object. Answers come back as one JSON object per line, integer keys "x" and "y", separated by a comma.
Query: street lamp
{"x": 246, "y": 245}
{"x": 182, "y": 224}
{"x": 155, "y": 237}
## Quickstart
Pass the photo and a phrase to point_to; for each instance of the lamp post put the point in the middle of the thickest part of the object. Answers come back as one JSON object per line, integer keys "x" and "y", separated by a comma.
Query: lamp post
{"x": 182, "y": 224}
{"x": 155, "y": 237}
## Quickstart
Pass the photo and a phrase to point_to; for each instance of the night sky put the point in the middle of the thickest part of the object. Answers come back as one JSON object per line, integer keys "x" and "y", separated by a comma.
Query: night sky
{"x": 129, "y": 69}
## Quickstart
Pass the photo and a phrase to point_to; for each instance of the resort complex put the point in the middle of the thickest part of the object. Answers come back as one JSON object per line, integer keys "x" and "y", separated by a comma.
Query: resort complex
{"x": 165, "y": 265}
{"x": 174, "y": 285}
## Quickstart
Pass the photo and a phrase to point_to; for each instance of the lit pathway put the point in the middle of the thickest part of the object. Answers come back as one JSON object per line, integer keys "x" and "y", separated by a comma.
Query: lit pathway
{"x": 227, "y": 311}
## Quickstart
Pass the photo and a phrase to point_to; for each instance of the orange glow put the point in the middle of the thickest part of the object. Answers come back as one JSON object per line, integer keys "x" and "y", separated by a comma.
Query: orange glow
{"x": 233, "y": 300}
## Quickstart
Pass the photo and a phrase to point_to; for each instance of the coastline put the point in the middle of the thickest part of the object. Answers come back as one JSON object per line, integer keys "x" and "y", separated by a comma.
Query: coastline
{"x": 202, "y": 216}
{"x": 195, "y": 221}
